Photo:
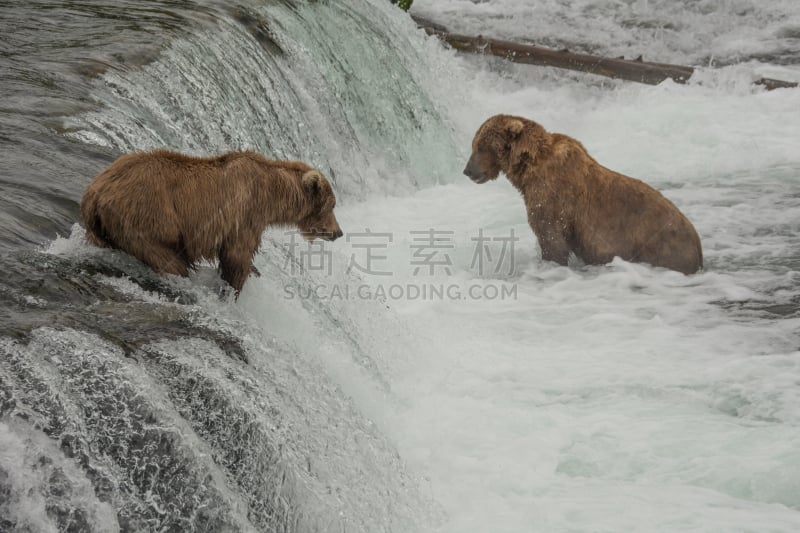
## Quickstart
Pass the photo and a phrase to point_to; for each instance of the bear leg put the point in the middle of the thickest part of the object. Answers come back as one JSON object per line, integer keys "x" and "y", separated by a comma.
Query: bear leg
{"x": 235, "y": 266}
{"x": 164, "y": 260}
{"x": 552, "y": 241}
{"x": 555, "y": 251}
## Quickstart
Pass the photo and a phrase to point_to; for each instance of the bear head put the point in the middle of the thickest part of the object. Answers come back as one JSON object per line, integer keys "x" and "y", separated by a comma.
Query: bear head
{"x": 320, "y": 222}
{"x": 500, "y": 144}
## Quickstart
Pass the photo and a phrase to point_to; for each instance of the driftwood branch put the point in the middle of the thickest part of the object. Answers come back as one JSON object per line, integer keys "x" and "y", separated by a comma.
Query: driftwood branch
{"x": 626, "y": 69}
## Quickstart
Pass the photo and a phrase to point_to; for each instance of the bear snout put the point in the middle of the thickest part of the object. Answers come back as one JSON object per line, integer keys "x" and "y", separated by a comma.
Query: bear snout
{"x": 473, "y": 171}
{"x": 331, "y": 235}
{"x": 476, "y": 177}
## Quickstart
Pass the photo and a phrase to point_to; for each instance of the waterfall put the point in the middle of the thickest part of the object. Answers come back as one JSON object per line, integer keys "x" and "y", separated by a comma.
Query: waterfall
{"x": 344, "y": 86}
{"x": 130, "y": 402}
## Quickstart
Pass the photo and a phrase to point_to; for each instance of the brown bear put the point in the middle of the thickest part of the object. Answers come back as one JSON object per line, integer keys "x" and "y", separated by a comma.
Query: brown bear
{"x": 171, "y": 210}
{"x": 577, "y": 205}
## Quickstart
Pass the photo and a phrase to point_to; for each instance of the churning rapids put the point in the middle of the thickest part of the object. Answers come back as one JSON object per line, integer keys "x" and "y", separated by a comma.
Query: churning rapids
{"x": 428, "y": 372}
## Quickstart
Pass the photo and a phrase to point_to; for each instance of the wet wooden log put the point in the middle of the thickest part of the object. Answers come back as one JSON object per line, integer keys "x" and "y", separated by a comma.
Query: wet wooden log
{"x": 627, "y": 69}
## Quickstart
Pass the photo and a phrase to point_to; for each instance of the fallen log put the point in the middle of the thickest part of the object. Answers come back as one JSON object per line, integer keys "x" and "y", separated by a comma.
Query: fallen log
{"x": 627, "y": 69}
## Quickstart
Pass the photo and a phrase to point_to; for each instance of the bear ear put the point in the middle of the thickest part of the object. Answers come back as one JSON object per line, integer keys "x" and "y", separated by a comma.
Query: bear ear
{"x": 311, "y": 181}
{"x": 515, "y": 127}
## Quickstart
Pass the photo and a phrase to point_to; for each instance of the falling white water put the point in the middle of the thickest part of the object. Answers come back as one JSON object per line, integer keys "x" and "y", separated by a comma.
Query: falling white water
{"x": 611, "y": 398}
{"x": 615, "y": 398}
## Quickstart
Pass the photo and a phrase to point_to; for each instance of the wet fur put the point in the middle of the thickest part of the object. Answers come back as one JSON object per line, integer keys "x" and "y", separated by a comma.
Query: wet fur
{"x": 575, "y": 204}
{"x": 171, "y": 210}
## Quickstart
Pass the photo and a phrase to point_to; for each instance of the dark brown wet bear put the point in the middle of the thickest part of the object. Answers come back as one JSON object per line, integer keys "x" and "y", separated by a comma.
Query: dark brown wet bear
{"x": 171, "y": 210}
{"x": 577, "y": 205}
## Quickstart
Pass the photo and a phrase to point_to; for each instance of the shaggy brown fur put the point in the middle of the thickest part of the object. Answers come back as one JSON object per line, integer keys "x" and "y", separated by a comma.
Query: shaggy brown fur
{"x": 171, "y": 210}
{"x": 577, "y": 205}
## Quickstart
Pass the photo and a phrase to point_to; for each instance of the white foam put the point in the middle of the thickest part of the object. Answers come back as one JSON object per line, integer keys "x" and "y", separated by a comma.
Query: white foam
{"x": 611, "y": 398}
{"x": 30, "y": 462}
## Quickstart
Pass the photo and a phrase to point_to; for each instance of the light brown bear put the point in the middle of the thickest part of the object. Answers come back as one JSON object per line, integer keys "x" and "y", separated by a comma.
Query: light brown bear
{"x": 577, "y": 205}
{"x": 171, "y": 210}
